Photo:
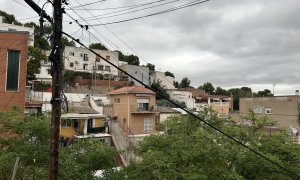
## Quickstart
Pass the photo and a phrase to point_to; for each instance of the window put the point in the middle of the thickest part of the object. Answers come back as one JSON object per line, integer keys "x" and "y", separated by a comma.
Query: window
{"x": 85, "y": 66}
{"x": 71, "y": 54}
{"x": 66, "y": 123}
{"x": 107, "y": 58}
{"x": 257, "y": 109}
{"x": 49, "y": 71}
{"x": 71, "y": 64}
{"x": 268, "y": 110}
{"x": 107, "y": 68}
{"x": 97, "y": 58}
{"x": 148, "y": 125}
{"x": 12, "y": 76}
{"x": 85, "y": 57}
{"x": 117, "y": 100}
{"x": 143, "y": 104}
{"x": 100, "y": 67}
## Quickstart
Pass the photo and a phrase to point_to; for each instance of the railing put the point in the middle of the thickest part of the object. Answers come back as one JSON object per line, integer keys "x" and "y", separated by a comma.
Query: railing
{"x": 135, "y": 109}
{"x": 96, "y": 130}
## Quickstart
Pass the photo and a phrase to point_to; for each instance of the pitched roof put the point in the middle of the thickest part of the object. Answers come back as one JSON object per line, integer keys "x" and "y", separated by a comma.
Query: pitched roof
{"x": 132, "y": 90}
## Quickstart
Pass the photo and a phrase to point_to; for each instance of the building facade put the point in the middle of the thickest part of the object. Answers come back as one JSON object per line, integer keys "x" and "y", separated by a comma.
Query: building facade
{"x": 134, "y": 109}
{"x": 182, "y": 96}
{"x": 165, "y": 81}
{"x": 139, "y": 72}
{"x": 13, "y": 68}
{"x": 82, "y": 60}
{"x": 283, "y": 109}
{"x": 222, "y": 105}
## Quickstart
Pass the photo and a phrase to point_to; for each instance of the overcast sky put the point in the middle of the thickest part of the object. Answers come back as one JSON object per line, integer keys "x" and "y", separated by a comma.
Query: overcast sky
{"x": 230, "y": 43}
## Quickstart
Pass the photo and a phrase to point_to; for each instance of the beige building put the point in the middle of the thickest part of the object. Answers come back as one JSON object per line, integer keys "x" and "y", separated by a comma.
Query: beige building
{"x": 218, "y": 103}
{"x": 134, "y": 109}
{"x": 283, "y": 109}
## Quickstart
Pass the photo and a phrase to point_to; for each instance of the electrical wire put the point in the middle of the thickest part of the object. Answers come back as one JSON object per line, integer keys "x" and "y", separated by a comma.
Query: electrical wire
{"x": 87, "y": 4}
{"x": 188, "y": 112}
{"x": 157, "y": 13}
{"x": 114, "y": 12}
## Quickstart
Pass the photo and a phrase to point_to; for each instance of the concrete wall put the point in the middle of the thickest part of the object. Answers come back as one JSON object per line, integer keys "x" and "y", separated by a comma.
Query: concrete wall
{"x": 165, "y": 81}
{"x": 13, "y": 41}
{"x": 139, "y": 72}
{"x": 184, "y": 96}
{"x": 284, "y": 109}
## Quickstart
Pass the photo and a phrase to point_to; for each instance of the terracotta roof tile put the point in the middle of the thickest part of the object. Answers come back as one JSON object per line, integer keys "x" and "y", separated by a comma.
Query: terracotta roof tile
{"x": 132, "y": 90}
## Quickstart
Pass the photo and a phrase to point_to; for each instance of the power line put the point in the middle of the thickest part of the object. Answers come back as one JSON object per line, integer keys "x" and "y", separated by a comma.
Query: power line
{"x": 114, "y": 12}
{"x": 190, "y": 113}
{"x": 22, "y": 4}
{"x": 89, "y": 4}
{"x": 157, "y": 13}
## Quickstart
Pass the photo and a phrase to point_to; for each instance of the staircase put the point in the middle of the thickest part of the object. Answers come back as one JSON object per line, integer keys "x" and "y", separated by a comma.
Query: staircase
{"x": 118, "y": 158}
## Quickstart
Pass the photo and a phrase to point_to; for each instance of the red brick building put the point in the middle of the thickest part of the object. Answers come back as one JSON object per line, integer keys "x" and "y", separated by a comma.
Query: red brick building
{"x": 13, "y": 68}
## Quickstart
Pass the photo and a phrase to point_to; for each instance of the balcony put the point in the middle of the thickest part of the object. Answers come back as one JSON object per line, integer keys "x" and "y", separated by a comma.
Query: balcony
{"x": 96, "y": 130}
{"x": 143, "y": 110}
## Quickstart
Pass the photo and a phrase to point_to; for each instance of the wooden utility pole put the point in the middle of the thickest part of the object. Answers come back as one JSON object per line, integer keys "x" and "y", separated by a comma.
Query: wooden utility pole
{"x": 56, "y": 58}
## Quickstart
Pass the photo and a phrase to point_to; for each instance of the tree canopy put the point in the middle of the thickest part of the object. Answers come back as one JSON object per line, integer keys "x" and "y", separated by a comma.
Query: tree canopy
{"x": 150, "y": 66}
{"x": 188, "y": 149}
{"x": 168, "y": 73}
{"x": 97, "y": 46}
{"x": 35, "y": 56}
{"x": 185, "y": 82}
{"x": 208, "y": 88}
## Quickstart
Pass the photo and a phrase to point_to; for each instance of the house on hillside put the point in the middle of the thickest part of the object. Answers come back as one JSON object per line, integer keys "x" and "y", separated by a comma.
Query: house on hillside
{"x": 285, "y": 110}
{"x": 82, "y": 122}
{"x": 141, "y": 73}
{"x": 165, "y": 81}
{"x": 220, "y": 104}
{"x": 182, "y": 96}
{"x": 82, "y": 60}
{"x": 134, "y": 109}
{"x": 13, "y": 68}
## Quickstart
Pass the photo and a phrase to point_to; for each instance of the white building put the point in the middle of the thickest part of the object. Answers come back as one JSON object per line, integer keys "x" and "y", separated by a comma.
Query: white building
{"x": 141, "y": 73}
{"x": 82, "y": 60}
{"x": 183, "y": 96}
{"x": 13, "y": 27}
{"x": 164, "y": 80}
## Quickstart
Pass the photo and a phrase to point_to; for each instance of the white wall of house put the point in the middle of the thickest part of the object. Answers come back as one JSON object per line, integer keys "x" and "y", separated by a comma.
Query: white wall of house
{"x": 82, "y": 60}
{"x": 139, "y": 72}
{"x": 184, "y": 96}
{"x": 164, "y": 80}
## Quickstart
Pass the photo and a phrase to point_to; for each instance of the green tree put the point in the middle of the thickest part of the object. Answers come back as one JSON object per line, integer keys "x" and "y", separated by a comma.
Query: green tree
{"x": 40, "y": 41}
{"x": 189, "y": 149}
{"x": 66, "y": 42}
{"x": 167, "y": 73}
{"x": 132, "y": 59}
{"x": 9, "y": 18}
{"x": 161, "y": 89}
{"x": 185, "y": 82}
{"x": 34, "y": 62}
{"x": 28, "y": 138}
{"x": 264, "y": 93}
{"x": 97, "y": 46}
{"x": 221, "y": 91}
{"x": 176, "y": 84}
{"x": 150, "y": 66}
{"x": 208, "y": 88}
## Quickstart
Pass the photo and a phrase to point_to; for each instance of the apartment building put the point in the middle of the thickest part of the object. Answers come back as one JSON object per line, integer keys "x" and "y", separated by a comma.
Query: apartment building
{"x": 82, "y": 60}
{"x": 283, "y": 109}
{"x": 182, "y": 96}
{"x": 13, "y": 69}
{"x": 134, "y": 109}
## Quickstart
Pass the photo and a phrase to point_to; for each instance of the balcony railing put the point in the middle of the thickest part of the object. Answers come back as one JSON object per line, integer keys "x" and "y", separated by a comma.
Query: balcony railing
{"x": 150, "y": 109}
{"x": 96, "y": 130}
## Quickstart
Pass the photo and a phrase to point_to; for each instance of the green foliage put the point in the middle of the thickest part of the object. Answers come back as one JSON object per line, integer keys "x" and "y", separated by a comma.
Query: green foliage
{"x": 208, "y": 88}
{"x": 9, "y": 18}
{"x": 41, "y": 86}
{"x": 28, "y": 138}
{"x": 84, "y": 158}
{"x": 167, "y": 73}
{"x": 191, "y": 150}
{"x": 176, "y": 84}
{"x": 97, "y": 46}
{"x": 66, "y": 42}
{"x": 132, "y": 59}
{"x": 34, "y": 62}
{"x": 264, "y": 93}
{"x": 221, "y": 91}
{"x": 158, "y": 87}
{"x": 69, "y": 76}
{"x": 150, "y": 66}
{"x": 185, "y": 82}
{"x": 40, "y": 41}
